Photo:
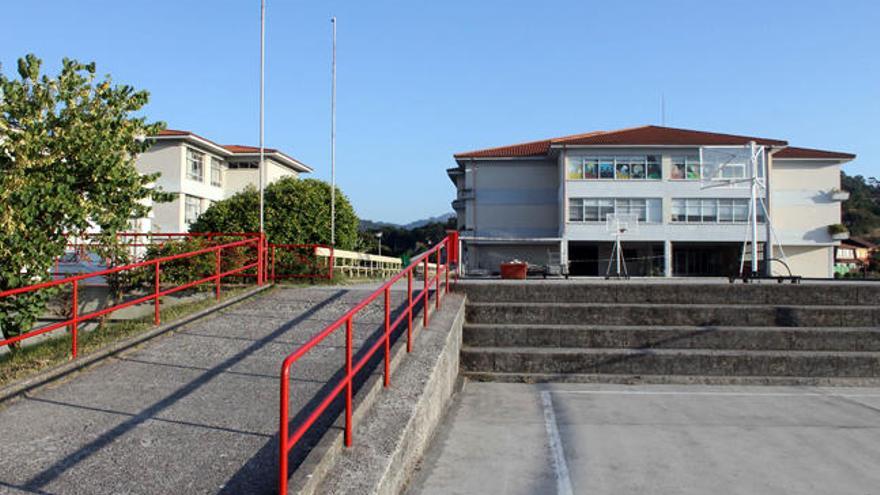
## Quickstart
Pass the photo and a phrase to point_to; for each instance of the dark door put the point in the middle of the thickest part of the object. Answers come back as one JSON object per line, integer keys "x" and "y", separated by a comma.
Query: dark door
{"x": 583, "y": 260}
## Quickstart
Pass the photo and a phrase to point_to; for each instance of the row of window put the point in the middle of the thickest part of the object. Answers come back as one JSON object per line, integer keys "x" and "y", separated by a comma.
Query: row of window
{"x": 195, "y": 167}
{"x": 649, "y": 210}
{"x": 647, "y": 167}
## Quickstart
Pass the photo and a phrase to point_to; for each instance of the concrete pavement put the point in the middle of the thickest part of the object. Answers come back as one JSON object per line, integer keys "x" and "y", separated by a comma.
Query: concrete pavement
{"x": 193, "y": 412}
{"x": 616, "y": 439}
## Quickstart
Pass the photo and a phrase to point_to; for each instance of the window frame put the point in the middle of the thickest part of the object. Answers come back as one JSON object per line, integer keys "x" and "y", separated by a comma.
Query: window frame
{"x": 594, "y": 210}
{"x": 197, "y": 206}
{"x": 195, "y": 157}
{"x": 217, "y": 166}
{"x": 725, "y": 211}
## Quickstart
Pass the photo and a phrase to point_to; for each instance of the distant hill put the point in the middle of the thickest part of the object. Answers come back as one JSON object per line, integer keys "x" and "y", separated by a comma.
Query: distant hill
{"x": 373, "y": 225}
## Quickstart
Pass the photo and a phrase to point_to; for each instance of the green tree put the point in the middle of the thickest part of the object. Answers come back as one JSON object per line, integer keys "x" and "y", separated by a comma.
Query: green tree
{"x": 861, "y": 212}
{"x": 67, "y": 149}
{"x": 297, "y": 211}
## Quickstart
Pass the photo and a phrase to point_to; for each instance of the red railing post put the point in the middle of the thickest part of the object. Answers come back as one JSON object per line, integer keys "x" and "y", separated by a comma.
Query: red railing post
{"x": 156, "y": 301}
{"x": 273, "y": 247}
{"x": 387, "y": 336}
{"x": 260, "y": 259}
{"x": 446, "y": 268}
{"x": 217, "y": 274}
{"x": 282, "y": 429}
{"x": 425, "y": 299}
{"x": 349, "y": 386}
{"x": 332, "y": 261}
{"x": 409, "y": 310}
{"x": 75, "y": 314}
{"x": 437, "y": 280}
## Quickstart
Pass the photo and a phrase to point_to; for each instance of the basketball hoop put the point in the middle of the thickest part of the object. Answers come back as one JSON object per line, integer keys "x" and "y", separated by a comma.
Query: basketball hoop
{"x": 618, "y": 225}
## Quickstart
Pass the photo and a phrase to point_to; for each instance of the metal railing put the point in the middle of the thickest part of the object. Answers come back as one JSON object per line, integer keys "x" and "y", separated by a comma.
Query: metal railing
{"x": 441, "y": 270}
{"x": 300, "y": 261}
{"x": 154, "y": 266}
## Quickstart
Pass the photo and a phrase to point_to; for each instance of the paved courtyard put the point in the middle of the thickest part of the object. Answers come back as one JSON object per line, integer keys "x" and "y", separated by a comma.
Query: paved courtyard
{"x": 604, "y": 439}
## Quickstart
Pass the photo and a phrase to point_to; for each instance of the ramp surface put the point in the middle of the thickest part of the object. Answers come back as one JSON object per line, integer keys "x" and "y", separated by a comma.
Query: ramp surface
{"x": 194, "y": 412}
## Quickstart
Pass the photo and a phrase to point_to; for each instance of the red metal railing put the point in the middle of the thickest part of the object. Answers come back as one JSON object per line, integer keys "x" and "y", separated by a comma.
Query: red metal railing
{"x": 441, "y": 271}
{"x": 156, "y": 264}
{"x": 81, "y": 248}
{"x": 299, "y": 261}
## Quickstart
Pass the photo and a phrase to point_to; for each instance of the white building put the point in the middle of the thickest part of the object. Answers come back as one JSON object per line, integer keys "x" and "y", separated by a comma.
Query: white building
{"x": 547, "y": 202}
{"x": 199, "y": 172}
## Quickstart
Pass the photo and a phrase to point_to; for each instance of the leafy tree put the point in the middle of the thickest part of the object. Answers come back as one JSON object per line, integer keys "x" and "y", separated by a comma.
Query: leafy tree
{"x": 297, "y": 211}
{"x": 399, "y": 241}
{"x": 67, "y": 149}
{"x": 861, "y": 212}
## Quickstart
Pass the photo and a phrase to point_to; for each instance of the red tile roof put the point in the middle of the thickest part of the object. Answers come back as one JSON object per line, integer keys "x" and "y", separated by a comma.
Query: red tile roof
{"x": 806, "y": 153}
{"x": 232, "y": 148}
{"x": 649, "y": 135}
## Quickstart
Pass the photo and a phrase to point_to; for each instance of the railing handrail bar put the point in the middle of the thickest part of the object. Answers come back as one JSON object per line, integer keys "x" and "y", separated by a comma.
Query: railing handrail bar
{"x": 108, "y": 271}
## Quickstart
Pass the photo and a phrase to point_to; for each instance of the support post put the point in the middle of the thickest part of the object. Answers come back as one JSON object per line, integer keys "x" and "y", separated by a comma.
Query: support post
{"x": 156, "y": 300}
{"x": 75, "y": 314}
{"x": 409, "y": 310}
{"x": 350, "y": 380}
{"x": 667, "y": 258}
{"x": 217, "y": 275}
{"x": 437, "y": 281}
{"x": 387, "y": 336}
{"x": 425, "y": 299}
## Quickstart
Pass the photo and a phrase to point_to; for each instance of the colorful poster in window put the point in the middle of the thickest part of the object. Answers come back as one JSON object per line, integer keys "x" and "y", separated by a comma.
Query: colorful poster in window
{"x": 637, "y": 169}
{"x": 591, "y": 169}
{"x": 606, "y": 169}
{"x": 623, "y": 170}
{"x": 677, "y": 172}
{"x": 693, "y": 170}
{"x": 575, "y": 172}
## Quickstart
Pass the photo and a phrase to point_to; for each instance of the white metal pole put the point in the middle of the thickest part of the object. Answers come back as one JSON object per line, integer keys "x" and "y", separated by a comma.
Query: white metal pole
{"x": 262, "y": 113}
{"x": 333, "y": 142}
{"x": 754, "y": 208}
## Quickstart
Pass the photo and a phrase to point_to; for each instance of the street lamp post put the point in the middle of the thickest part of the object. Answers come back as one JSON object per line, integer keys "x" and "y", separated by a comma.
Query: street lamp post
{"x": 379, "y": 236}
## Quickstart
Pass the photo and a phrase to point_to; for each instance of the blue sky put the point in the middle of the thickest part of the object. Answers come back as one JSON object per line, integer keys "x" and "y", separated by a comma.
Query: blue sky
{"x": 420, "y": 80}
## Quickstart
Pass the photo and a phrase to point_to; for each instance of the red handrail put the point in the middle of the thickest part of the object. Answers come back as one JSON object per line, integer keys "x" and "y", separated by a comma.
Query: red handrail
{"x": 156, "y": 296}
{"x": 287, "y": 441}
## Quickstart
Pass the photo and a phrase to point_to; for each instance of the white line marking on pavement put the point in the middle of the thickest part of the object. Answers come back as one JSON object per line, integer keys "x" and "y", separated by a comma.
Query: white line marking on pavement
{"x": 718, "y": 394}
{"x": 563, "y": 480}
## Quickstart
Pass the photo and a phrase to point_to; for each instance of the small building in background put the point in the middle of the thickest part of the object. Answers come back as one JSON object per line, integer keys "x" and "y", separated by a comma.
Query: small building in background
{"x": 853, "y": 255}
{"x": 198, "y": 172}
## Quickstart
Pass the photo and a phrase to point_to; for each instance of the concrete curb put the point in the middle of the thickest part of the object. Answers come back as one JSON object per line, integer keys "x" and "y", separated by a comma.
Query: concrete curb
{"x": 68, "y": 369}
{"x": 309, "y": 477}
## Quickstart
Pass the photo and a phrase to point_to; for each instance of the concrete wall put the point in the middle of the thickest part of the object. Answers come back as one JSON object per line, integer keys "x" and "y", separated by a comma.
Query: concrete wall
{"x": 808, "y": 261}
{"x": 513, "y": 198}
{"x": 238, "y": 179}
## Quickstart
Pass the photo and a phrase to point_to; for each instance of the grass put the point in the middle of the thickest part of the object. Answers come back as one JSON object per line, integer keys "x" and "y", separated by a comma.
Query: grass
{"x": 32, "y": 359}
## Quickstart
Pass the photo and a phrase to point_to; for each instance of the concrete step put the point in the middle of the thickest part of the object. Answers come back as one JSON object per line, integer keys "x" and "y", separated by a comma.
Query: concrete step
{"x": 633, "y": 292}
{"x": 701, "y": 362}
{"x": 814, "y": 381}
{"x": 701, "y": 315}
{"x": 674, "y": 337}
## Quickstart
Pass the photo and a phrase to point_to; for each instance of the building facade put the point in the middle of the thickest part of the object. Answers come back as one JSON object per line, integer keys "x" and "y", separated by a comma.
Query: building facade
{"x": 199, "y": 172}
{"x": 547, "y": 202}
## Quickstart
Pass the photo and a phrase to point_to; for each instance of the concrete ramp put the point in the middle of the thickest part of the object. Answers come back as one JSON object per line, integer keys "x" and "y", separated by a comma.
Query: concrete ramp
{"x": 192, "y": 412}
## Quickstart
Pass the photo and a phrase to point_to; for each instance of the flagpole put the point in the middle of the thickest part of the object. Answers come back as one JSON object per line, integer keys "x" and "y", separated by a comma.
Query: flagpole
{"x": 262, "y": 111}
{"x": 333, "y": 141}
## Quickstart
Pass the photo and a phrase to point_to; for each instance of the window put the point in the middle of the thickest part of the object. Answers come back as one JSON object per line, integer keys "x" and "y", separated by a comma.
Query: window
{"x": 192, "y": 209}
{"x": 685, "y": 168}
{"x": 619, "y": 168}
{"x": 712, "y": 210}
{"x": 237, "y": 165}
{"x": 596, "y": 210}
{"x": 194, "y": 166}
{"x": 216, "y": 172}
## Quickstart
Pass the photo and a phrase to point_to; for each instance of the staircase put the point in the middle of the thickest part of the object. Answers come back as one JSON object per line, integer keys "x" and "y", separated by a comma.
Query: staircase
{"x": 673, "y": 332}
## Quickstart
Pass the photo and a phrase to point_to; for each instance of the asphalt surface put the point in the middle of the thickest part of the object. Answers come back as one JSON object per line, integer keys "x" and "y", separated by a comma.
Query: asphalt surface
{"x": 593, "y": 439}
{"x": 194, "y": 412}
